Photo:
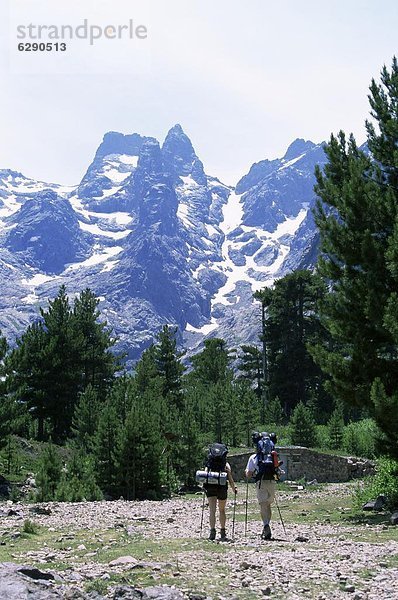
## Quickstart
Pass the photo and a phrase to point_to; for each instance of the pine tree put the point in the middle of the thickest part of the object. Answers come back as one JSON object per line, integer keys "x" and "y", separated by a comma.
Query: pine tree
{"x": 26, "y": 375}
{"x": 122, "y": 394}
{"x": 61, "y": 362}
{"x": 223, "y": 413}
{"x": 264, "y": 297}
{"x": 169, "y": 365}
{"x": 187, "y": 449}
{"x": 146, "y": 369}
{"x": 302, "y": 427}
{"x": 55, "y": 358}
{"x": 274, "y": 413}
{"x": 386, "y": 415}
{"x": 336, "y": 429}
{"x": 85, "y": 419}
{"x": 248, "y": 403}
{"x": 14, "y": 416}
{"x": 140, "y": 457}
{"x": 48, "y": 473}
{"x": 97, "y": 363}
{"x": 357, "y": 217}
{"x": 291, "y": 325}
{"x": 211, "y": 366}
{"x": 107, "y": 449}
{"x": 251, "y": 367}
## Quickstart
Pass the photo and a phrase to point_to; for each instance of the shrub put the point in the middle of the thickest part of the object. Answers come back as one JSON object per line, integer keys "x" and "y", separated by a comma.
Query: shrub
{"x": 30, "y": 527}
{"x": 78, "y": 480}
{"x": 384, "y": 482}
{"x": 49, "y": 473}
{"x": 322, "y": 435}
{"x": 359, "y": 438}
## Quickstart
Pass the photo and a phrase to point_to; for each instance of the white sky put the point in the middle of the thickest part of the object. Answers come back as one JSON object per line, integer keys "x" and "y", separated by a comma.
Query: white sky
{"x": 243, "y": 79}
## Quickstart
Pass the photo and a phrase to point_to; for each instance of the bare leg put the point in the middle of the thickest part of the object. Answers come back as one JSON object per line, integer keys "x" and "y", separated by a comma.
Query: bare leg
{"x": 265, "y": 509}
{"x": 212, "y": 511}
{"x": 223, "y": 516}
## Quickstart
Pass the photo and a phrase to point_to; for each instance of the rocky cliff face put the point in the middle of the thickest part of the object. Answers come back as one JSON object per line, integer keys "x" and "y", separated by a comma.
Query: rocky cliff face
{"x": 157, "y": 239}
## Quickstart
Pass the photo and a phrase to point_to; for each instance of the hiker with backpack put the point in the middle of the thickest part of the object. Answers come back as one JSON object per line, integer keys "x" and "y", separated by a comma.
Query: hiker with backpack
{"x": 215, "y": 478}
{"x": 264, "y": 466}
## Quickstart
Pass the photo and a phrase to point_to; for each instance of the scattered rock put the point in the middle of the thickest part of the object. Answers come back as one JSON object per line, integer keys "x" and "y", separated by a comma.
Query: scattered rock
{"x": 246, "y": 565}
{"x": 377, "y": 504}
{"x": 159, "y": 592}
{"x": 394, "y": 519}
{"x": 17, "y": 582}
{"x": 123, "y": 560}
{"x": 41, "y": 510}
{"x": 35, "y": 573}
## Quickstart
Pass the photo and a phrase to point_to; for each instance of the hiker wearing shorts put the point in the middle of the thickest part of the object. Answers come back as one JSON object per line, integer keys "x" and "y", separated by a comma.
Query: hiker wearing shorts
{"x": 218, "y": 494}
{"x": 265, "y": 490}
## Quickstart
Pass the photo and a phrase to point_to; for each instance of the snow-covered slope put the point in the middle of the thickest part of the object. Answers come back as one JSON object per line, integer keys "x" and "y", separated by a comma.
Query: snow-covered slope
{"x": 157, "y": 239}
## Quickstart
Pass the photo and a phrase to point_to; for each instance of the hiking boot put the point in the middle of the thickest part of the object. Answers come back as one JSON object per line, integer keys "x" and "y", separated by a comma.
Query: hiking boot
{"x": 212, "y": 535}
{"x": 223, "y": 536}
{"x": 266, "y": 534}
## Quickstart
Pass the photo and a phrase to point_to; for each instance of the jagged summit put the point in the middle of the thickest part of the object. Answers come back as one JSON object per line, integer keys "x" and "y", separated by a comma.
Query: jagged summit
{"x": 157, "y": 239}
{"x": 179, "y": 154}
{"x": 298, "y": 147}
{"x": 119, "y": 143}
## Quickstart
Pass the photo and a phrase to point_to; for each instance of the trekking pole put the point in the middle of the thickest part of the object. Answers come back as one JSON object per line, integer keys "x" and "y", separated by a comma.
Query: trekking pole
{"x": 280, "y": 516}
{"x": 247, "y": 497}
{"x": 233, "y": 518}
{"x": 203, "y": 510}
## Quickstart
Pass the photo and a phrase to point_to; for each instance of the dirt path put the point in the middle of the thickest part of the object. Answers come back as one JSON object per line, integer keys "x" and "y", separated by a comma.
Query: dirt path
{"x": 322, "y": 553}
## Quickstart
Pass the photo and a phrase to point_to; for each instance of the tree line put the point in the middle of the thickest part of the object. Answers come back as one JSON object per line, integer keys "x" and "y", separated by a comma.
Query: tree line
{"x": 327, "y": 351}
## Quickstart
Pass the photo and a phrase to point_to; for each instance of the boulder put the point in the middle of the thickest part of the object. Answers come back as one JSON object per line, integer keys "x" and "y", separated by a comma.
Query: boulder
{"x": 123, "y": 560}
{"x": 377, "y": 504}
{"x": 394, "y": 518}
{"x": 159, "y": 592}
{"x": 22, "y": 581}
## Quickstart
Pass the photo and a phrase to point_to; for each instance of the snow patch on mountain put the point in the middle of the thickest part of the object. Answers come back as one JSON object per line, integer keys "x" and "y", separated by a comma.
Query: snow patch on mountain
{"x": 100, "y": 255}
{"x": 96, "y": 230}
{"x": 157, "y": 238}
{"x": 37, "y": 279}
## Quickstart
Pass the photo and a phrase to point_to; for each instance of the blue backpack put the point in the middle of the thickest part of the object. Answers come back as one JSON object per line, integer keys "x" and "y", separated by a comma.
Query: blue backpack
{"x": 265, "y": 461}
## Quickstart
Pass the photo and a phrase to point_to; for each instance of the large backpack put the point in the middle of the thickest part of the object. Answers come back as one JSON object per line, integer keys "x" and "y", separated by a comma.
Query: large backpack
{"x": 217, "y": 457}
{"x": 265, "y": 460}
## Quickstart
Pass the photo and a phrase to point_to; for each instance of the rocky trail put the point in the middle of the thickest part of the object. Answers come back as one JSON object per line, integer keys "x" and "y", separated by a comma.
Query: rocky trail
{"x": 119, "y": 549}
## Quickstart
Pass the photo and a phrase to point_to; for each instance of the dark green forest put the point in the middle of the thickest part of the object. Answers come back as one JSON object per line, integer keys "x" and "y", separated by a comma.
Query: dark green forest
{"x": 323, "y": 374}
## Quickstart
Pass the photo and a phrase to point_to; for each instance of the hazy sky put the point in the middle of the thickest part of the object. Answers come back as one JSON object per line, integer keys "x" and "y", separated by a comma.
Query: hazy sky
{"x": 244, "y": 79}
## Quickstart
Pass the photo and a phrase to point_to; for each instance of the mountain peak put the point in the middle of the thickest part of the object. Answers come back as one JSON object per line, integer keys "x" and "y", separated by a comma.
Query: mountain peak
{"x": 177, "y": 142}
{"x": 119, "y": 143}
{"x": 176, "y": 129}
{"x": 299, "y": 146}
{"x": 180, "y": 155}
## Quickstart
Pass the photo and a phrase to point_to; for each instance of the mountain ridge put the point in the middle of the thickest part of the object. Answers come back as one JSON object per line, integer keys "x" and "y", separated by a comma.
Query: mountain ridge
{"x": 157, "y": 239}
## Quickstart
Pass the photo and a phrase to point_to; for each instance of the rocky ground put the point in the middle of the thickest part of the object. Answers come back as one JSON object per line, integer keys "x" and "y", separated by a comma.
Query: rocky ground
{"x": 110, "y": 549}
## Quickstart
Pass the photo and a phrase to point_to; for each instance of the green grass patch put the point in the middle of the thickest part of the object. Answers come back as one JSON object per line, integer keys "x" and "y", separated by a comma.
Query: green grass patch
{"x": 30, "y": 527}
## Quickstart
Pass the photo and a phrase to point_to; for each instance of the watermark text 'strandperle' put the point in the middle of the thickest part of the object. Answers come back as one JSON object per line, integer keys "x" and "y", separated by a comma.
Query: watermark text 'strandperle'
{"x": 84, "y": 31}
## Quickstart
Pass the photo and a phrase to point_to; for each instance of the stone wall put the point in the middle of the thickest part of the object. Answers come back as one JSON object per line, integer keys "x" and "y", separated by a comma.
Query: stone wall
{"x": 299, "y": 463}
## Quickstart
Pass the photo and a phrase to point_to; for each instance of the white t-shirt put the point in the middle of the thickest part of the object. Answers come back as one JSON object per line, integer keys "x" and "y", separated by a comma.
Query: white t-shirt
{"x": 252, "y": 464}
